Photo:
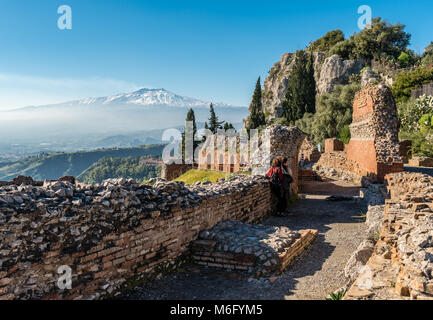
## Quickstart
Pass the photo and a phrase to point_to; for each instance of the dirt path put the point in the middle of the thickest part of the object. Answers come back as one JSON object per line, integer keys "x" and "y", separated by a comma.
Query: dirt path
{"x": 313, "y": 275}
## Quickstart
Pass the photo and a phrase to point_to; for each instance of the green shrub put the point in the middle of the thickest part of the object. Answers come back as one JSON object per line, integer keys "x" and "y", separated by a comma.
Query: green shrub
{"x": 334, "y": 111}
{"x": 344, "y": 134}
{"x": 411, "y": 111}
{"x": 406, "y": 81}
{"x": 422, "y": 143}
{"x": 337, "y": 296}
{"x": 328, "y": 41}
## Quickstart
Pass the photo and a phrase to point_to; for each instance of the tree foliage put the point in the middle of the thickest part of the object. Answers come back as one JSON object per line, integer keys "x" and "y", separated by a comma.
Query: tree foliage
{"x": 334, "y": 113}
{"x": 410, "y": 113}
{"x": 427, "y": 58}
{"x": 109, "y": 168}
{"x": 256, "y": 117}
{"x": 380, "y": 40}
{"x": 416, "y": 124}
{"x": 301, "y": 89}
{"x": 406, "y": 81}
{"x": 329, "y": 40}
{"x": 214, "y": 123}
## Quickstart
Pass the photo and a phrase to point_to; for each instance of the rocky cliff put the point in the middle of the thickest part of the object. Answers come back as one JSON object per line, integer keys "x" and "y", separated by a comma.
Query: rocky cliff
{"x": 328, "y": 72}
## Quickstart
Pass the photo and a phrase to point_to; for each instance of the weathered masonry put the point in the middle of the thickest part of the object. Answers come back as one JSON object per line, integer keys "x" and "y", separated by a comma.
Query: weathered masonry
{"x": 374, "y": 148}
{"x": 110, "y": 233}
{"x": 401, "y": 266}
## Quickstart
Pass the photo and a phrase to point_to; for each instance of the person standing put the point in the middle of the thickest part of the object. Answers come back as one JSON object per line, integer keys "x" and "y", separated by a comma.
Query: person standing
{"x": 287, "y": 180}
{"x": 275, "y": 174}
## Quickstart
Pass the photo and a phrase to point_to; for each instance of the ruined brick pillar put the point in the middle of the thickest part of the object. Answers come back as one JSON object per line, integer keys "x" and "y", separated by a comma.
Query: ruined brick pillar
{"x": 374, "y": 145}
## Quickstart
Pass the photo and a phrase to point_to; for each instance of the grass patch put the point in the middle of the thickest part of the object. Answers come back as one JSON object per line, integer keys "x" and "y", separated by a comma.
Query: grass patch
{"x": 195, "y": 175}
{"x": 336, "y": 295}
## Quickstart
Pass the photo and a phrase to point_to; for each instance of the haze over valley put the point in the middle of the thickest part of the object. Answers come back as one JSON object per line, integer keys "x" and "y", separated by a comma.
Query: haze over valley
{"x": 122, "y": 120}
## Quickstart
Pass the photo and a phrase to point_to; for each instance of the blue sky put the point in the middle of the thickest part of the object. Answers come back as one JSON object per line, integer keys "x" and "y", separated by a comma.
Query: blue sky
{"x": 211, "y": 50}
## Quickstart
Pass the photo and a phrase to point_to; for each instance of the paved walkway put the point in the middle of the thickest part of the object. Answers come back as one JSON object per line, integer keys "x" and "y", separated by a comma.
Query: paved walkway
{"x": 313, "y": 275}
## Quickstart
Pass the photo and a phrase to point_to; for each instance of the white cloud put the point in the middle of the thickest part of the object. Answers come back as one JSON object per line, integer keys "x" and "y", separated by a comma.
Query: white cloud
{"x": 24, "y": 90}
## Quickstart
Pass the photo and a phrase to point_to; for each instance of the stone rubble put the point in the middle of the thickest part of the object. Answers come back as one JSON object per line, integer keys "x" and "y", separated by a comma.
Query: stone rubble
{"x": 401, "y": 266}
{"x": 262, "y": 241}
{"x": 257, "y": 249}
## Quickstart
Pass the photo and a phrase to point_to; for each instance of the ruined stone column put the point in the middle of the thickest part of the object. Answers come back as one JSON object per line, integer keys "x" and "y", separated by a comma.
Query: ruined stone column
{"x": 374, "y": 145}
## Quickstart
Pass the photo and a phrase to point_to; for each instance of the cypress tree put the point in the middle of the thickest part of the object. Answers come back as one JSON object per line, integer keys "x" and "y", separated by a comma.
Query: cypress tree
{"x": 206, "y": 126}
{"x": 228, "y": 126}
{"x": 214, "y": 124}
{"x": 300, "y": 96}
{"x": 310, "y": 86}
{"x": 257, "y": 117}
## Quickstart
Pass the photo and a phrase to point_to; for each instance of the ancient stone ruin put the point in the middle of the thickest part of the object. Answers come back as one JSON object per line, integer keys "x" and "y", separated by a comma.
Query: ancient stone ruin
{"x": 260, "y": 250}
{"x": 374, "y": 149}
{"x": 401, "y": 266}
{"x": 374, "y": 144}
{"x": 278, "y": 140}
{"x": 111, "y": 232}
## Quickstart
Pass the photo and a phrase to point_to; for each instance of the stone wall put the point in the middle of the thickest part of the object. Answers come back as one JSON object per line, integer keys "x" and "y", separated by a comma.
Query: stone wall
{"x": 172, "y": 171}
{"x": 374, "y": 143}
{"x": 406, "y": 150}
{"x": 425, "y": 89}
{"x": 333, "y": 144}
{"x": 309, "y": 151}
{"x": 278, "y": 140}
{"x": 421, "y": 162}
{"x": 335, "y": 166}
{"x": 401, "y": 266}
{"x": 223, "y": 161}
{"x": 111, "y": 233}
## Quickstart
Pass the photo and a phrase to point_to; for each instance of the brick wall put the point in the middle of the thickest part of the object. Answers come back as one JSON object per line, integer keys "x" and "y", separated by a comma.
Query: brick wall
{"x": 333, "y": 144}
{"x": 374, "y": 148}
{"x": 374, "y": 143}
{"x": 173, "y": 171}
{"x": 119, "y": 237}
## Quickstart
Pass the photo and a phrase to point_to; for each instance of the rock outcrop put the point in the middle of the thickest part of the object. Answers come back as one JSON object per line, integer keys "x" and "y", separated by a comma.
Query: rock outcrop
{"x": 328, "y": 73}
{"x": 336, "y": 71}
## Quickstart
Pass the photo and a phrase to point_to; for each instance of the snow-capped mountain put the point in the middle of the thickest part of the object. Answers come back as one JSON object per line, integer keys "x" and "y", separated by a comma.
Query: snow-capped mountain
{"x": 149, "y": 97}
{"x": 144, "y": 109}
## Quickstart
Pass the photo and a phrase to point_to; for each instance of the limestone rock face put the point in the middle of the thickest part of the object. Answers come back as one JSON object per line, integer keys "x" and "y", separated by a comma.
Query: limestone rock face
{"x": 336, "y": 71}
{"x": 328, "y": 72}
{"x": 368, "y": 77}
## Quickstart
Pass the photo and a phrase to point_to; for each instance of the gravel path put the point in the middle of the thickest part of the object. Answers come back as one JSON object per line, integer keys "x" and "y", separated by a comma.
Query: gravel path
{"x": 313, "y": 275}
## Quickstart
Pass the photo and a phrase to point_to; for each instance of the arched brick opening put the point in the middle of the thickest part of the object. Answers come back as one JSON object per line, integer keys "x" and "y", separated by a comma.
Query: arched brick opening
{"x": 209, "y": 161}
{"x": 221, "y": 163}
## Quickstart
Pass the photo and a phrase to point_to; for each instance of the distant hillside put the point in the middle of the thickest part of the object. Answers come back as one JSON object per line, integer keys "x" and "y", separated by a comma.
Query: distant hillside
{"x": 53, "y": 166}
{"x": 109, "y": 168}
